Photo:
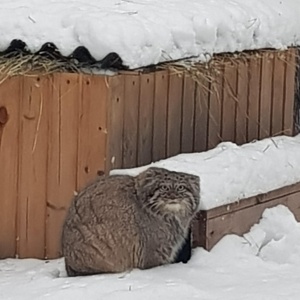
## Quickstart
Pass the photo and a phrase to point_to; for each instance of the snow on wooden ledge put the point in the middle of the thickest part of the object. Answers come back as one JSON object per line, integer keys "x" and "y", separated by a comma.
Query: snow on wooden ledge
{"x": 230, "y": 173}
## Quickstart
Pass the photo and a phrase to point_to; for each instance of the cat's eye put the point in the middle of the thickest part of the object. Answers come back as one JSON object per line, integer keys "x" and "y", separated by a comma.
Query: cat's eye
{"x": 164, "y": 188}
{"x": 180, "y": 187}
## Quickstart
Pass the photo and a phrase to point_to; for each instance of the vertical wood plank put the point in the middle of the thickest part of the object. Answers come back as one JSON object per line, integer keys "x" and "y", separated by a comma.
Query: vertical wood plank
{"x": 33, "y": 145}
{"x": 145, "y": 129}
{"x": 289, "y": 92}
{"x": 131, "y": 114}
{"x": 199, "y": 230}
{"x": 55, "y": 208}
{"x": 253, "y": 98}
{"x": 215, "y": 105}
{"x": 62, "y": 158}
{"x": 174, "y": 115}
{"x": 9, "y": 133}
{"x": 242, "y": 101}
{"x": 278, "y": 94}
{"x": 92, "y": 129}
{"x": 296, "y": 127}
{"x": 160, "y": 115}
{"x": 188, "y": 114}
{"x": 114, "y": 157}
{"x": 266, "y": 95}
{"x": 229, "y": 102}
{"x": 201, "y": 114}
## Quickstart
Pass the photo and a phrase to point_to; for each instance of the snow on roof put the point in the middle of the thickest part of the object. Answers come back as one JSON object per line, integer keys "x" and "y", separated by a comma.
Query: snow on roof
{"x": 145, "y": 32}
{"x": 229, "y": 173}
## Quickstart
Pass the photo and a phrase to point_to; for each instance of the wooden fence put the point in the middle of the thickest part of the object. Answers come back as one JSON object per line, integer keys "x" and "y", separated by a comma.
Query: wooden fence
{"x": 161, "y": 114}
{"x": 59, "y": 131}
{"x": 52, "y": 143}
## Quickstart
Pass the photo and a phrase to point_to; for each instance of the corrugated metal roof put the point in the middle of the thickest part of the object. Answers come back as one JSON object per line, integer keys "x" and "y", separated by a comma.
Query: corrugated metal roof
{"x": 80, "y": 57}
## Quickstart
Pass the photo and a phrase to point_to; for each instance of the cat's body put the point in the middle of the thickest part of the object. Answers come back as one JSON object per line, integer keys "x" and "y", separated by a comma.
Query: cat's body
{"x": 121, "y": 222}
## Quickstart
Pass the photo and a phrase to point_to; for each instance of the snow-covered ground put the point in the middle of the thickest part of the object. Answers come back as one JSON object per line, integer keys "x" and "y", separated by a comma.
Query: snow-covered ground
{"x": 262, "y": 265}
{"x": 145, "y": 32}
{"x": 229, "y": 172}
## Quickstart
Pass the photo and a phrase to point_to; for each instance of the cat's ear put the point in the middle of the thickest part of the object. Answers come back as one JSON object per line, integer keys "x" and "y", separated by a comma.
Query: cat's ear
{"x": 194, "y": 182}
{"x": 147, "y": 178}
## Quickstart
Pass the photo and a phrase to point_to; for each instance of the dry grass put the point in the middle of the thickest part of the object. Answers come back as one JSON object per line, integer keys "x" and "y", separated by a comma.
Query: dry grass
{"x": 30, "y": 64}
{"x": 27, "y": 64}
{"x": 211, "y": 76}
{"x": 209, "y": 70}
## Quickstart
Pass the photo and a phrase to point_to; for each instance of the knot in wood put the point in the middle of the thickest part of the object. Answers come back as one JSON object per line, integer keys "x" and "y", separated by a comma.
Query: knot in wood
{"x": 3, "y": 115}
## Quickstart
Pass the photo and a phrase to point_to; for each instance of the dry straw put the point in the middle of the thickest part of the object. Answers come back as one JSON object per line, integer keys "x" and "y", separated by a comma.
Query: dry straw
{"x": 209, "y": 71}
{"x": 211, "y": 75}
{"x": 27, "y": 64}
{"x": 32, "y": 64}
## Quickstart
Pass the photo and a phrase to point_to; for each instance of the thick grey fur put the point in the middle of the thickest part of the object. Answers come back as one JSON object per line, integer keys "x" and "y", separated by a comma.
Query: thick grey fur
{"x": 120, "y": 222}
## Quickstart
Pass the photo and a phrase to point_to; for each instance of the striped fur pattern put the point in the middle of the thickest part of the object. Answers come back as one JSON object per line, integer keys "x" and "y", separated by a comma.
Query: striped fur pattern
{"x": 120, "y": 222}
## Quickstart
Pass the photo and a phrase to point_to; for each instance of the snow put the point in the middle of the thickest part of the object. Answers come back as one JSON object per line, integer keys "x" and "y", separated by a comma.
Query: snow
{"x": 263, "y": 264}
{"x": 229, "y": 173}
{"x": 145, "y": 32}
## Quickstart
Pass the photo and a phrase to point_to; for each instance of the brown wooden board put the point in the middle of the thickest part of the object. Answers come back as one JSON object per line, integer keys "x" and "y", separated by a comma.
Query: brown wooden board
{"x": 201, "y": 114}
{"x": 9, "y": 133}
{"x": 62, "y": 158}
{"x": 199, "y": 230}
{"x": 242, "y": 100}
{"x": 243, "y": 203}
{"x": 33, "y": 149}
{"x": 174, "y": 114}
{"x": 289, "y": 92}
{"x": 211, "y": 225}
{"x": 266, "y": 95}
{"x": 159, "y": 144}
{"x": 240, "y": 222}
{"x": 188, "y": 114}
{"x": 55, "y": 206}
{"x": 215, "y": 105}
{"x": 229, "y": 102}
{"x": 145, "y": 125}
{"x": 92, "y": 129}
{"x": 115, "y": 114}
{"x": 254, "y": 73}
{"x": 131, "y": 116}
{"x": 278, "y": 94}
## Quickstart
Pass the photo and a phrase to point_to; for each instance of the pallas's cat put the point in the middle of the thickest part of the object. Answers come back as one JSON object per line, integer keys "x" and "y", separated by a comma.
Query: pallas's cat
{"x": 121, "y": 222}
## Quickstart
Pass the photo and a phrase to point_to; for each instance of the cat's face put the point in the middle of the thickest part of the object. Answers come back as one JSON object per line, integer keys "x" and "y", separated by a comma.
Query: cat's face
{"x": 169, "y": 192}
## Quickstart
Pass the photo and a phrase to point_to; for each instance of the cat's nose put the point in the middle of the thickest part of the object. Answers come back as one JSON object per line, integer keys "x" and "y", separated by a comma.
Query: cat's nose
{"x": 173, "y": 196}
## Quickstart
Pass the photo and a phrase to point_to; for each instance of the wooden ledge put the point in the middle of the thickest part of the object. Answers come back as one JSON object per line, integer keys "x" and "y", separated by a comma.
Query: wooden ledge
{"x": 237, "y": 218}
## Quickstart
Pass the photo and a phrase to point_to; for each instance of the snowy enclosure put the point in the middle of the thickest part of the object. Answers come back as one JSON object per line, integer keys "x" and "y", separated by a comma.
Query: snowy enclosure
{"x": 60, "y": 128}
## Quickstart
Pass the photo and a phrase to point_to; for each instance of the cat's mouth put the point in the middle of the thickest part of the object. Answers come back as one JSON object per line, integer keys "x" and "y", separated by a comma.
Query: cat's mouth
{"x": 172, "y": 201}
{"x": 173, "y": 205}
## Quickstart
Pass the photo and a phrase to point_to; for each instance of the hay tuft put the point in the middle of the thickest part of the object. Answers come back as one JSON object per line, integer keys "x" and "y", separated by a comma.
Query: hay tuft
{"x": 30, "y": 64}
{"x": 211, "y": 75}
